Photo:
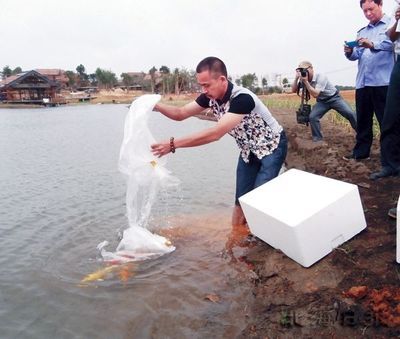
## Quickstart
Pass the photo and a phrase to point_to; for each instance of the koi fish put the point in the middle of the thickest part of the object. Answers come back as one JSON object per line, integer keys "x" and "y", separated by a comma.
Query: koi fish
{"x": 99, "y": 274}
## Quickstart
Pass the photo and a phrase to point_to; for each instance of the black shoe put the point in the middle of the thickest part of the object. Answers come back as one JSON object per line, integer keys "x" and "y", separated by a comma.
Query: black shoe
{"x": 392, "y": 213}
{"x": 383, "y": 173}
{"x": 351, "y": 156}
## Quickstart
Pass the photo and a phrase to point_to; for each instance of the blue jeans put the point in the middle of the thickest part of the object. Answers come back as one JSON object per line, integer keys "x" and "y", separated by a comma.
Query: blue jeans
{"x": 258, "y": 171}
{"x": 322, "y": 107}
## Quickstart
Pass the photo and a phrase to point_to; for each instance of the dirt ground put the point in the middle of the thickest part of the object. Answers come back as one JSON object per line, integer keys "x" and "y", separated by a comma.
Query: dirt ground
{"x": 354, "y": 291}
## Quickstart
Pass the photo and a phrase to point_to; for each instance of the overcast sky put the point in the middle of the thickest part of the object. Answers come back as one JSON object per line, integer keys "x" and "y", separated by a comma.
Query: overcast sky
{"x": 260, "y": 36}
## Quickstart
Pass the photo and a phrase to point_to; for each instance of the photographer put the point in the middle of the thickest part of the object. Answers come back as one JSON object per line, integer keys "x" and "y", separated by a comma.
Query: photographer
{"x": 327, "y": 96}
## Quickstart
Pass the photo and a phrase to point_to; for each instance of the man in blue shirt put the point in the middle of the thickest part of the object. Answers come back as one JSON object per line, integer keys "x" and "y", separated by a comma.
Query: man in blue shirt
{"x": 390, "y": 132}
{"x": 375, "y": 62}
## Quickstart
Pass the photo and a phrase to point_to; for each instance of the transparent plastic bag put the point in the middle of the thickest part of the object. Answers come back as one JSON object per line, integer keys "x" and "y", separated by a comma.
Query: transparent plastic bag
{"x": 146, "y": 175}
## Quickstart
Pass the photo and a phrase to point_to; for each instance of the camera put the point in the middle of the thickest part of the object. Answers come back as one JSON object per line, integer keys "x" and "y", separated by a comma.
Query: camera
{"x": 303, "y": 71}
{"x": 303, "y": 114}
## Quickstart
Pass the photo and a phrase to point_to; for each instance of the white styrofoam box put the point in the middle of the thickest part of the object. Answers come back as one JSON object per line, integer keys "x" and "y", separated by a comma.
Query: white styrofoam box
{"x": 304, "y": 215}
{"x": 398, "y": 232}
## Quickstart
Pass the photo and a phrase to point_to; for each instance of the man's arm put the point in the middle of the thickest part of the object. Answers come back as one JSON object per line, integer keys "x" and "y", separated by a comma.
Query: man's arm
{"x": 295, "y": 84}
{"x": 351, "y": 53}
{"x": 392, "y": 33}
{"x": 313, "y": 91}
{"x": 179, "y": 113}
{"x": 380, "y": 44}
{"x": 224, "y": 125}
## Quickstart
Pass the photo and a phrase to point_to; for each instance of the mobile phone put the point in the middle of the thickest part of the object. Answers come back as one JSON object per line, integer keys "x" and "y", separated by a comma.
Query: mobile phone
{"x": 351, "y": 44}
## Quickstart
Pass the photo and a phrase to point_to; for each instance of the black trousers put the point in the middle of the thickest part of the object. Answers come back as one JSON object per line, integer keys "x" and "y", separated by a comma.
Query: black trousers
{"x": 390, "y": 131}
{"x": 368, "y": 101}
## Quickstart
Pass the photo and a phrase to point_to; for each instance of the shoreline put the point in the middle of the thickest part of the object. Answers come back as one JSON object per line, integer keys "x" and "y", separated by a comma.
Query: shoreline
{"x": 281, "y": 100}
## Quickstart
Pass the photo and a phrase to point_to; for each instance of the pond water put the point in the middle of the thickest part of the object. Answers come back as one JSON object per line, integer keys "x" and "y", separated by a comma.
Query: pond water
{"x": 61, "y": 194}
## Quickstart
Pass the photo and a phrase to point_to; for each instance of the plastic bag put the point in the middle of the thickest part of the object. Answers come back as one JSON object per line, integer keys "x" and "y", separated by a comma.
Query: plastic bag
{"x": 146, "y": 175}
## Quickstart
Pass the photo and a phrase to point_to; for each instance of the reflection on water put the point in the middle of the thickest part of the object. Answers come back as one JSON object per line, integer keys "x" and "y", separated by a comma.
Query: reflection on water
{"x": 61, "y": 194}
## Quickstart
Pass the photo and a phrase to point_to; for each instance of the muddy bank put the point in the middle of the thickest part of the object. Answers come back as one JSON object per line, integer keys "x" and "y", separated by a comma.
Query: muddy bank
{"x": 292, "y": 301}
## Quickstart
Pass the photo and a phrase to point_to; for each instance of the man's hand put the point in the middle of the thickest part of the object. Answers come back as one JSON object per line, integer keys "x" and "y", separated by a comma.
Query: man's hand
{"x": 299, "y": 76}
{"x": 348, "y": 50}
{"x": 161, "y": 149}
{"x": 397, "y": 14}
{"x": 363, "y": 42}
{"x": 305, "y": 79}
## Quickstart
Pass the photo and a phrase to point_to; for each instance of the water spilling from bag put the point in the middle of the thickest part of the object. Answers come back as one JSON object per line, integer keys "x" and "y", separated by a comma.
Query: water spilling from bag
{"x": 146, "y": 176}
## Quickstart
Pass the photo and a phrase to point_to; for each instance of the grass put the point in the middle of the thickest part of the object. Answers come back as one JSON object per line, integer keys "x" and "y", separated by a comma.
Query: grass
{"x": 292, "y": 102}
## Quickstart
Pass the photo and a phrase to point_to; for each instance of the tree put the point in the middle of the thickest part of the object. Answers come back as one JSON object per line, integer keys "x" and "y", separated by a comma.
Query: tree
{"x": 152, "y": 73}
{"x": 166, "y": 77}
{"x": 127, "y": 80}
{"x": 16, "y": 70}
{"x": 274, "y": 89}
{"x": 238, "y": 82}
{"x": 83, "y": 77}
{"x": 176, "y": 80}
{"x": 164, "y": 70}
{"x": 6, "y": 72}
{"x": 80, "y": 69}
{"x": 93, "y": 79}
{"x": 285, "y": 81}
{"x": 71, "y": 78}
{"x": 249, "y": 81}
{"x": 264, "y": 84}
{"x": 183, "y": 80}
{"x": 106, "y": 78}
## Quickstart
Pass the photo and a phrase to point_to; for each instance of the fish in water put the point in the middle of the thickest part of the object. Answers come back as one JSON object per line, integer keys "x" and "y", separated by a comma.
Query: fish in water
{"x": 99, "y": 274}
{"x": 123, "y": 270}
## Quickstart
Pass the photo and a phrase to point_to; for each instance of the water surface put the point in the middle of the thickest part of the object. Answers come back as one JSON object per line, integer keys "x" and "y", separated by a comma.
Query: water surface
{"x": 61, "y": 194}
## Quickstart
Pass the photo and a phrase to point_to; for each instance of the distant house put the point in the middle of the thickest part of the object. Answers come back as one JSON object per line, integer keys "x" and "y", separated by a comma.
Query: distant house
{"x": 137, "y": 77}
{"x": 154, "y": 80}
{"x": 157, "y": 77}
{"x": 57, "y": 75}
{"x": 136, "y": 81}
{"x": 29, "y": 87}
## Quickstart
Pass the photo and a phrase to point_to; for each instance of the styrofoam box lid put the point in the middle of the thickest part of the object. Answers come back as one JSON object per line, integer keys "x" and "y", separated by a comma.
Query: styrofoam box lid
{"x": 296, "y": 195}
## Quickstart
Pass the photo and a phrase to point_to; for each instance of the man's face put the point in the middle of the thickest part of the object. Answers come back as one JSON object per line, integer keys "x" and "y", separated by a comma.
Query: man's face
{"x": 372, "y": 11}
{"x": 212, "y": 84}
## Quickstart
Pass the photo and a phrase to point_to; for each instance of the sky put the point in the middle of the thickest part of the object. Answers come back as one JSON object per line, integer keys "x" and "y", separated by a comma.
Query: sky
{"x": 264, "y": 37}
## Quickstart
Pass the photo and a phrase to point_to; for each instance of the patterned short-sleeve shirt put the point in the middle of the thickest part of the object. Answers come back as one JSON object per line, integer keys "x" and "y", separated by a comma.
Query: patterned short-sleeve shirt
{"x": 258, "y": 132}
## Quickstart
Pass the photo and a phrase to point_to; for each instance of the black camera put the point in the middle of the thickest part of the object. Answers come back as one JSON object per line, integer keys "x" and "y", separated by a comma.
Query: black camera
{"x": 303, "y": 114}
{"x": 303, "y": 72}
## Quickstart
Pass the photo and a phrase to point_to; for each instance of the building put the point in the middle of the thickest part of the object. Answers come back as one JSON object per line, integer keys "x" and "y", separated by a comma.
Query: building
{"x": 135, "y": 81}
{"x": 57, "y": 75}
{"x": 29, "y": 87}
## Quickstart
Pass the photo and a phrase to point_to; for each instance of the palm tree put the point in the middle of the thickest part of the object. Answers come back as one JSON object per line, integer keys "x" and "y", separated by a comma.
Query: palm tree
{"x": 152, "y": 73}
{"x": 165, "y": 78}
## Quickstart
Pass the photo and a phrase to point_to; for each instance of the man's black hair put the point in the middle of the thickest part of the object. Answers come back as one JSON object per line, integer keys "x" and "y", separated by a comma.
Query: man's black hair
{"x": 212, "y": 64}
{"x": 378, "y": 2}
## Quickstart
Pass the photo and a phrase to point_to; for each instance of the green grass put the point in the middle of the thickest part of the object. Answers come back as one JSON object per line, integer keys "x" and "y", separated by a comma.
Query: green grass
{"x": 281, "y": 103}
{"x": 336, "y": 118}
